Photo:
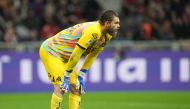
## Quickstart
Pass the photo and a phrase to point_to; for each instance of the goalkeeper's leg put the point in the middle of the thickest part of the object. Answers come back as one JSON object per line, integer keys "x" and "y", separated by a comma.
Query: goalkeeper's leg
{"x": 55, "y": 69}
{"x": 74, "y": 97}
{"x": 75, "y": 93}
{"x": 57, "y": 96}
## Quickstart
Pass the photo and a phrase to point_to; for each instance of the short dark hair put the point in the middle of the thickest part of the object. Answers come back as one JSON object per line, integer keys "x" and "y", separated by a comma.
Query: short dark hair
{"x": 108, "y": 16}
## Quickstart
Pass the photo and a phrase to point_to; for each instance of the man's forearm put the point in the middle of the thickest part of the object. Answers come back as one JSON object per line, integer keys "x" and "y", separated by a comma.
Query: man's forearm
{"x": 90, "y": 58}
{"x": 75, "y": 57}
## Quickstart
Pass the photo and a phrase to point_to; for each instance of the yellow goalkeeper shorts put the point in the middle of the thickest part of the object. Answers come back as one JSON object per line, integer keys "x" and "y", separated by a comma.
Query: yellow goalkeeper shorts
{"x": 55, "y": 68}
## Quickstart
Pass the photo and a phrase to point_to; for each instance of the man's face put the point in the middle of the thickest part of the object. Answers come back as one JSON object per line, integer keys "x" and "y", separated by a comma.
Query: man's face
{"x": 113, "y": 26}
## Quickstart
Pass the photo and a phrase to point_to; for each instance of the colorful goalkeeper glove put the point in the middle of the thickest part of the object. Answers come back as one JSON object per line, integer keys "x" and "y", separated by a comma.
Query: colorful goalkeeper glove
{"x": 81, "y": 76}
{"x": 65, "y": 84}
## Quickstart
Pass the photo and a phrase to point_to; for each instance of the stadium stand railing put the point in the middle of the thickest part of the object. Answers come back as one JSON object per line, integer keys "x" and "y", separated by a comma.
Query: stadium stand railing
{"x": 180, "y": 45}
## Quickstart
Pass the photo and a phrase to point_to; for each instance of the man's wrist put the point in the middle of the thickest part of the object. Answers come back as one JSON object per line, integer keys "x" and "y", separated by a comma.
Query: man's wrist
{"x": 82, "y": 73}
{"x": 68, "y": 73}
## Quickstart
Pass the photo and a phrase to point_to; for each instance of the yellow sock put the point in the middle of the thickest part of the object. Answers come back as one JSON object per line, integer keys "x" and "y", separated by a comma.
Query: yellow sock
{"x": 55, "y": 102}
{"x": 74, "y": 101}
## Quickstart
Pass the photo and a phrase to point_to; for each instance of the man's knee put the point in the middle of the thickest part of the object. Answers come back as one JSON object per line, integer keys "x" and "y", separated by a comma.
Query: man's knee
{"x": 58, "y": 91}
{"x": 75, "y": 90}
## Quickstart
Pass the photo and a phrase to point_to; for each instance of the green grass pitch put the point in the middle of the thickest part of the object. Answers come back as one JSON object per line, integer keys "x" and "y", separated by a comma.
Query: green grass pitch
{"x": 102, "y": 100}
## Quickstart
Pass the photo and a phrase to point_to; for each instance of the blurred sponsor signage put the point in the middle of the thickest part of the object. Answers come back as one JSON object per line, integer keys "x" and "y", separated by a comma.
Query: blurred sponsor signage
{"x": 136, "y": 71}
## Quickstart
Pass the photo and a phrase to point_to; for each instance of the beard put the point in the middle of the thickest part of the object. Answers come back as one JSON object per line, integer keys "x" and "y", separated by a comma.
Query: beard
{"x": 112, "y": 32}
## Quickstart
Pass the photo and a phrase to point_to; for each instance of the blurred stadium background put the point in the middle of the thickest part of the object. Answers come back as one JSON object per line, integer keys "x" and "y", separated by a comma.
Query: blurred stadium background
{"x": 146, "y": 67}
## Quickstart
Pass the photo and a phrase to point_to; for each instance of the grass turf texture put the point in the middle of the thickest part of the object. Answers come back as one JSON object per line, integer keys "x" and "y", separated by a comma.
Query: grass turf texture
{"x": 102, "y": 100}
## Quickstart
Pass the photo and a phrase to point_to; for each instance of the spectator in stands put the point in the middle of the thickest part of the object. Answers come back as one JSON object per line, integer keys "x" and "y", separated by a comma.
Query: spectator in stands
{"x": 10, "y": 36}
{"x": 140, "y": 19}
{"x": 166, "y": 31}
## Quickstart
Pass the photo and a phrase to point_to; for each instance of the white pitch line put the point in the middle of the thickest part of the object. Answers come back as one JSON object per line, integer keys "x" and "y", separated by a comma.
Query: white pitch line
{"x": 158, "y": 104}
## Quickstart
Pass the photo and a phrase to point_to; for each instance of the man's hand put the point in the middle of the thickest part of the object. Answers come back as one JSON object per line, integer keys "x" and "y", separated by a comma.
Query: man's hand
{"x": 81, "y": 77}
{"x": 65, "y": 84}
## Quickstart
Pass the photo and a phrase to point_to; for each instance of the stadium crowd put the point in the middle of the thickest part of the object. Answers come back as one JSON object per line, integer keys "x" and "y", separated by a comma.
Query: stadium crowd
{"x": 34, "y": 20}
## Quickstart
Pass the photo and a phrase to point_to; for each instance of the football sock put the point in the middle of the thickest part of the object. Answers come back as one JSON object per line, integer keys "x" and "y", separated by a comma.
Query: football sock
{"x": 55, "y": 102}
{"x": 74, "y": 101}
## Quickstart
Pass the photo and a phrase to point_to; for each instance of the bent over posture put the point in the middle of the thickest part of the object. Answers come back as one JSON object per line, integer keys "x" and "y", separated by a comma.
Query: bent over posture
{"x": 62, "y": 52}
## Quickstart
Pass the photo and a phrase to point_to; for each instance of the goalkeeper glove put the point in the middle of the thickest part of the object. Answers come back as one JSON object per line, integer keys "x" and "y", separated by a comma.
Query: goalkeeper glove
{"x": 81, "y": 76}
{"x": 65, "y": 84}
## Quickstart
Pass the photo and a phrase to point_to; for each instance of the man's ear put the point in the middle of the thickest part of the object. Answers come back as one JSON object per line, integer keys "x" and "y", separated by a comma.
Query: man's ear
{"x": 107, "y": 23}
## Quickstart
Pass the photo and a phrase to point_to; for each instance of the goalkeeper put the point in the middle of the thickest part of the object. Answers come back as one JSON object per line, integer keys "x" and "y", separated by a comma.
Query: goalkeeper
{"x": 61, "y": 53}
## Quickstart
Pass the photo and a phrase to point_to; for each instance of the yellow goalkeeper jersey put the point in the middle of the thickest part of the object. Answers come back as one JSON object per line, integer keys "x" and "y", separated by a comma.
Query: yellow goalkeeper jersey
{"x": 86, "y": 35}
